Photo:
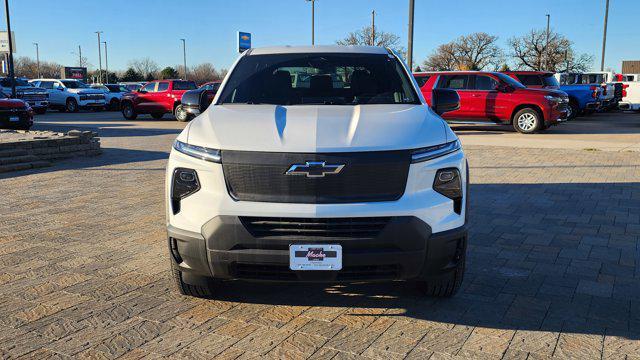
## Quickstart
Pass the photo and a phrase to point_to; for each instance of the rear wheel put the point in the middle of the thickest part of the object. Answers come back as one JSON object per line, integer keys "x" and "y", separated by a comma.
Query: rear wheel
{"x": 157, "y": 116}
{"x": 128, "y": 111}
{"x": 188, "y": 289}
{"x": 446, "y": 285}
{"x": 72, "y": 105}
{"x": 181, "y": 114}
{"x": 114, "y": 104}
{"x": 527, "y": 121}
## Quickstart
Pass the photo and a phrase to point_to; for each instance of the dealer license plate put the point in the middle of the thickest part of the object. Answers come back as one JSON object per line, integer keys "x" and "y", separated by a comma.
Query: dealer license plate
{"x": 14, "y": 118}
{"x": 315, "y": 257}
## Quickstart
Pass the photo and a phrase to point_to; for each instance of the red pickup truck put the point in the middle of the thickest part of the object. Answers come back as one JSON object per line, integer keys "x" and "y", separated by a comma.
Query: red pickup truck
{"x": 495, "y": 98}
{"x": 156, "y": 98}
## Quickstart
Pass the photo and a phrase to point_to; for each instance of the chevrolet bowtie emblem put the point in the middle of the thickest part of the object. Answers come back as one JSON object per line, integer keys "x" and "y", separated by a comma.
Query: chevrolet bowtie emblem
{"x": 314, "y": 169}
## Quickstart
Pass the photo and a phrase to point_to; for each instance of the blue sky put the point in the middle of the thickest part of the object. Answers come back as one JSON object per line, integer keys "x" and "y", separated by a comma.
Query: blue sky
{"x": 140, "y": 28}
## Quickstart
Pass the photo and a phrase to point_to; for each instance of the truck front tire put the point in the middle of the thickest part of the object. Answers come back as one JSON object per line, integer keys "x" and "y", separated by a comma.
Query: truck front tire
{"x": 72, "y": 105}
{"x": 445, "y": 285}
{"x": 128, "y": 111}
{"x": 573, "y": 109}
{"x": 188, "y": 289}
{"x": 527, "y": 121}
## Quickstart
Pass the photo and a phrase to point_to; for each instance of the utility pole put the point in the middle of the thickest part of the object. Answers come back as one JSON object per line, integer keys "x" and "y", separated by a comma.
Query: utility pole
{"x": 410, "y": 43}
{"x": 99, "y": 58}
{"x": 546, "y": 50}
{"x": 604, "y": 35}
{"x": 184, "y": 57}
{"x": 80, "y": 56}
{"x": 11, "y": 73}
{"x": 313, "y": 21}
{"x": 106, "y": 63}
{"x": 373, "y": 28}
{"x": 37, "y": 59}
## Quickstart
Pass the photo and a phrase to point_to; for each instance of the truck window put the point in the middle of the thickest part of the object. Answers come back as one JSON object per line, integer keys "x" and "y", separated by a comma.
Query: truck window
{"x": 530, "y": 80}
{"x": 183, "y": 85}
{"x": 319, "y": 79}
{"x": 456, "y": 82}
{"x": 163, "y": 86}
{"x": 150, "y": 87}
{"x": 46, "y": 84}
{"x": 484, "y": 82}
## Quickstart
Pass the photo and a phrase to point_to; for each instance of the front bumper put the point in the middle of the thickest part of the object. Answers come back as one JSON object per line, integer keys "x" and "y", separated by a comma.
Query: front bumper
{"x": 405, "y": 249}
{"x": 39, "y": 104}
{"x": 88, "y": 104}
{"x": 16, "y": 121}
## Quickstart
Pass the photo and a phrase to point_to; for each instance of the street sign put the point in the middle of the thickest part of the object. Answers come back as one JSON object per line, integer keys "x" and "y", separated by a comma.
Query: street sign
{"x": 4, "y": 42}
{"x": 244, "y": 41}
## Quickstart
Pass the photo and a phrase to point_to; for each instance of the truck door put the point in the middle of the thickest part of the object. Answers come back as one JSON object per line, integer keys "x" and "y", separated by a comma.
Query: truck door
{"x": 144, "y": 98}
{"x": 483, "y": 102}
{"x": 161, "y": 99}
{"x": 54, "y": 93}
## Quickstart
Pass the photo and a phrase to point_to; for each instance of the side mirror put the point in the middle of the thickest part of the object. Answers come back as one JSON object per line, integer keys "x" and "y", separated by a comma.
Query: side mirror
{"x": 444, "y": 100}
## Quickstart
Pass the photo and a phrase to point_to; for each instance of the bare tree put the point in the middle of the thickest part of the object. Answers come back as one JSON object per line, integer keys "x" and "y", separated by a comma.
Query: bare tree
{"x": 204, "y": 73}
{"x": 477, "y": 51}
{"x": 532, "y": 52}
{"x": 28, "y": 67}
{"x": 363, "y": 37}
{"x": 145, "y": 66}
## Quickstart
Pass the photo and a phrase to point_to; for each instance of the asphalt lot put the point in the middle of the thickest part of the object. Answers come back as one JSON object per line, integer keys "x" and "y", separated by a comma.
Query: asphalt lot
{"x": 553, "y": 268}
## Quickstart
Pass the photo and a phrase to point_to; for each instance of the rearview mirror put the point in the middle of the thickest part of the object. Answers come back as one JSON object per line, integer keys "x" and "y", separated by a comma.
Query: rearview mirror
{"x": 444, "y": 100}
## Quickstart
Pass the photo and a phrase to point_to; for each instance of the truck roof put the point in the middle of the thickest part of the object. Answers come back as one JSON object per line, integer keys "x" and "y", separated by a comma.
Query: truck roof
{"x": 527, "y": 72}
{"x": 354, "y": 49}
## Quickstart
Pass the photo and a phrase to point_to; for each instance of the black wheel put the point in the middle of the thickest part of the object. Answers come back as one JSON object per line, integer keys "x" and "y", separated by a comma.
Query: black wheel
{"x": 181, "y": 114}
{"x": 114, "y": 104}
{"x": 40, "y": 111}
{"x": 157, "y": 116}
{"x": 445, "y": 285}
{"x": 527, "y": 121}
{"x": 188, "y": 289}
{"x": 573, "y": 110}
{"x": 72, "y": 105}
{"x": 128, "y": 111}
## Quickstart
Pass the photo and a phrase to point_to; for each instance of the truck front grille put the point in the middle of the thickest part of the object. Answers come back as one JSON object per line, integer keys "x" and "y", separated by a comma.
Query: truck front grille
{"x": 365, "y": 177}
{"x": 364, "y": 227}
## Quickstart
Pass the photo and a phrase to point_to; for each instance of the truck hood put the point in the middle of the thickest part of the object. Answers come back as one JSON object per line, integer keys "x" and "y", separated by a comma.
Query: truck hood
{"x": 317, "y": 128}
{"x": 85, "y": 91}
{"x": 11, "y": 103}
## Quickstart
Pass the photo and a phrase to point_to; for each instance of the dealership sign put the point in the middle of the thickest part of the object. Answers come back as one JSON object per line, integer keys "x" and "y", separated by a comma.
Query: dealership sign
{"x": 4, "y": 42}
{"x": 78, "y": 73}
{"x": 244, "y": 41}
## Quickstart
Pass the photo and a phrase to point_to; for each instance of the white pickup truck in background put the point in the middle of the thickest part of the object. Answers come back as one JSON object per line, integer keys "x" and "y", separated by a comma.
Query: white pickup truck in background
{"x": 607, "y": 80}
{"x": 630, "y": 96}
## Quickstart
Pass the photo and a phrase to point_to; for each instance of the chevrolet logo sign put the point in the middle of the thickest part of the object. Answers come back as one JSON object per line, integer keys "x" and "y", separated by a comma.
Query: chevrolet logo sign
{"x": 314, "y": 169}
{"x": 244, "y": 37}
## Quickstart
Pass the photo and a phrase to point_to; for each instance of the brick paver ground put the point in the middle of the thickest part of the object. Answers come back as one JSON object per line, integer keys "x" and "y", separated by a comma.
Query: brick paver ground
{"x": 553, "y": 269}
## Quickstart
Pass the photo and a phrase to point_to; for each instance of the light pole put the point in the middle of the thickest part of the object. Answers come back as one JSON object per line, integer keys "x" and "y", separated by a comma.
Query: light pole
{"x": 99, "y": 58}
{"x": 11, "y": 73}
{"x": 80, "y": 56}
{"x": 604, "y": 35}
{"x": 106, "y": 63}
{"x": 410, "y": 43}
{"x": 546, "y": 47}
{"x": 373, "y": 28}
{"x": 313, "y": 20}
{"x": 37, "y": 58}
{"x": 184, "y": 57}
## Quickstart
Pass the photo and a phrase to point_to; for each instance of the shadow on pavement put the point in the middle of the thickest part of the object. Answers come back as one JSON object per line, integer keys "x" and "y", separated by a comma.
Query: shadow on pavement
{"x": 109, "y": 156}
{"x": 543, "y": 257}
{"x": 110, "y": 129}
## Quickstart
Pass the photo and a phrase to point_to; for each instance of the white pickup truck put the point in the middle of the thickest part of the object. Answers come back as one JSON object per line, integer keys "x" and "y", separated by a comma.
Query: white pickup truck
{"x": 630, "y": 96}
{"x": 607, "y": 80}
{"x": 71, "y": 95}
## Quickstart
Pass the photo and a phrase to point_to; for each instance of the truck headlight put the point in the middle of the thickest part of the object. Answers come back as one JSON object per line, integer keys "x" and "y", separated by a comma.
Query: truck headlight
{"x": 553, "y": 99}
{"x": 449, "y": 184}
{"x": 436, "y": 151}
{"x": 202, "y": 153}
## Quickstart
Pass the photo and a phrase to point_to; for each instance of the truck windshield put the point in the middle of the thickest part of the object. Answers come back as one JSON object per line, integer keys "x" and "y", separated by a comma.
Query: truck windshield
{"x": 74, "y": 84}
{"x": 550, "y": 80}
{"x": 509, "y": 80}
{"x": 318, "y": 79}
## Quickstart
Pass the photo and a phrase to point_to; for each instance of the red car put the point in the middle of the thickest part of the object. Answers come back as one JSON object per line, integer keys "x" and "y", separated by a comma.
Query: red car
{"x": 15, "y": 113}
{"x": 157, "y": 98}
{"x": 495, "y": 98}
